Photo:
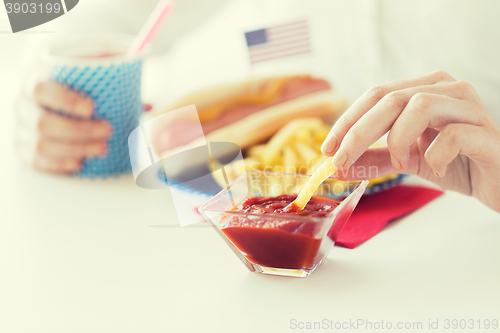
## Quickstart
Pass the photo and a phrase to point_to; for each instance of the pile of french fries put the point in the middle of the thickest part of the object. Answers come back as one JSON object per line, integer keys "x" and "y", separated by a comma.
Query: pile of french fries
{"x": 295, "y": 148}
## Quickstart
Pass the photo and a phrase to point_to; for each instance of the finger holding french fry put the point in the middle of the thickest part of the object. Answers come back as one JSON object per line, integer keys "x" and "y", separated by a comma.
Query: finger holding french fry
{"x": 295, "y": 148}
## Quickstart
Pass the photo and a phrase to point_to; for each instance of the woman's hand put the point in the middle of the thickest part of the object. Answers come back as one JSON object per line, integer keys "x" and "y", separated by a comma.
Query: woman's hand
{"x": 438, "y": 129}
{"x": 57, "y": 142}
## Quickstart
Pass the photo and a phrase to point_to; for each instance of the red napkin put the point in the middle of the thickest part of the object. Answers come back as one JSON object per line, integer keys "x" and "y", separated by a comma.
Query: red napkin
{"x": 375, "y": 210}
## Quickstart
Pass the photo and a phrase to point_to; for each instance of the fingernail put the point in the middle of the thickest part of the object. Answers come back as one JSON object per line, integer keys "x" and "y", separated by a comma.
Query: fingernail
{"x": 96, "y": 150}
{"x": 329, "y": 145}
{"x": 395, "y": 163}
{"x": 84, "y": 107}
{"x": 71, "y": 165}
{"x": 103, "y": 129}
{"x": 104, "y": 150}
{"x": 340, "y": 158}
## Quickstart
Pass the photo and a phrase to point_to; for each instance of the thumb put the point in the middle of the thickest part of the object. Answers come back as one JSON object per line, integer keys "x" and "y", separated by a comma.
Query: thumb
{"x": 375, "y": 162}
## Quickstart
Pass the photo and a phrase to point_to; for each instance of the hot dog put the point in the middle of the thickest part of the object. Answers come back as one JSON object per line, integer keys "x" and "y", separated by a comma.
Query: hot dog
{"x": 249, "y": 112}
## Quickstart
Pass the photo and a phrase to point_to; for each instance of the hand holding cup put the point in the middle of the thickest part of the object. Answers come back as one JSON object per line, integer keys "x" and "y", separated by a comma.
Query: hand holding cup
{"x": 56, "y": 131}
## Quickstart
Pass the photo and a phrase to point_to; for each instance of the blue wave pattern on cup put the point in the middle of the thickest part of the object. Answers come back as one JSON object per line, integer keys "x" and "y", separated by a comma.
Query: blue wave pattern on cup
{"x": 116, "y": 91}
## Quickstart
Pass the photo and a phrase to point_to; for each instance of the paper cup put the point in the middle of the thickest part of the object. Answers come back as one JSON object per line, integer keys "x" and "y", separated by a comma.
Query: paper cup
{"x": 96, "y": 66}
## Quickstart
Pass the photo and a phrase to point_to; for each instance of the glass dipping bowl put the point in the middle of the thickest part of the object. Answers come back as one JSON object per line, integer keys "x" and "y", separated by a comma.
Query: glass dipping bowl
{"x": 277, "y": 244}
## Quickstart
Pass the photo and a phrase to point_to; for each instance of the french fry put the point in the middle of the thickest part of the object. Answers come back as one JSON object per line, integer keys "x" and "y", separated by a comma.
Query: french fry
{"x": 305, "y": 151}
{"x": 335, "y": 186}
{"x": 256, "y": 151}
{"x": 319, "y": 161}
{"x": 290, "y": 158}
{"x": 303, "y": 134}
{"x": 251, "y": 164}
{"x": 317, "y": 146}
{"x": 321, "y": 133}
{"x": 322, "y": 173}
{"x": 285, "y": 135}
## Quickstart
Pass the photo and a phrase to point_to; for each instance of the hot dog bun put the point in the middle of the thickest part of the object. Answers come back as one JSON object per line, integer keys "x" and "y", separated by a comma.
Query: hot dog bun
{"x": 260, "y": 126}
{"x": 250, "y": 112}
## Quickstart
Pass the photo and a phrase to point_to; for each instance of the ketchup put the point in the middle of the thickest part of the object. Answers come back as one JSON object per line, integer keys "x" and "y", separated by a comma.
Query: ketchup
{"x": 279, "y": 243}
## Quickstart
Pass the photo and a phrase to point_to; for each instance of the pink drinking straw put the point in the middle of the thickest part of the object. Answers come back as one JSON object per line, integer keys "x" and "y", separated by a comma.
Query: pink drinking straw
{"x": 151, "y": 27}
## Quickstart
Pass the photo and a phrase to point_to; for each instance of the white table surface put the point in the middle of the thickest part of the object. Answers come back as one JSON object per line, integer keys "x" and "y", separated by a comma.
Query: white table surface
{"x": 88, "y": 256}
